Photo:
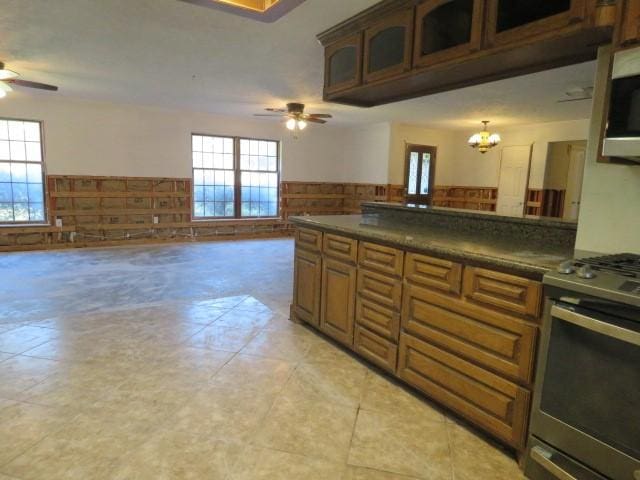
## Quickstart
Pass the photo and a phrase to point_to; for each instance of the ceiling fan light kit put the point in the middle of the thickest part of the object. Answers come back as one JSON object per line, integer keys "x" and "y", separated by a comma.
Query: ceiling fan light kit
{"x": 9, "y": 77}
{"x": 484, "y": 140}
{"x": 297, "y": 120}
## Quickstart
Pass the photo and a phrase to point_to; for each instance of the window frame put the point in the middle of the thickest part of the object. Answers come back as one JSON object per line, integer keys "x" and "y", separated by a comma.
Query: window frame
{"x": 237, "y": 187}
{"x": 45, "y": 196}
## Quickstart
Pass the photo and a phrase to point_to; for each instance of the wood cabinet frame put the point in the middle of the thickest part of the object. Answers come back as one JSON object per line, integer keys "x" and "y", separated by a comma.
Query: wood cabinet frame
{"x": 627, "y": 23}
{"x": 403, "y": 19}
{"x": 528, "y": 32}
{"x": 473, "y": 45}
{"x": 354, "y": 40}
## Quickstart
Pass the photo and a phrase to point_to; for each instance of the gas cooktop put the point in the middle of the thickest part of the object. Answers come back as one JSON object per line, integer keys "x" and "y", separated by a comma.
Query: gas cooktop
{"x": 626, "y": 264}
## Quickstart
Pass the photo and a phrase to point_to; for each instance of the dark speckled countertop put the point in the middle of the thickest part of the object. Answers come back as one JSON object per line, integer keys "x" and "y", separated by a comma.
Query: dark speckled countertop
{"x": 524, "y": 256}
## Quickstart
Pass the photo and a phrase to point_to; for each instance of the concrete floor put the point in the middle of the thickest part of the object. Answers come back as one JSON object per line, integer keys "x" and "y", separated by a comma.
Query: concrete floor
{"x": 178, "y": 362}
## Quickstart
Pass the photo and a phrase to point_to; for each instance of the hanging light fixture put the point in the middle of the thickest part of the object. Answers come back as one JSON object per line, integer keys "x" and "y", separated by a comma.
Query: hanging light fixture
{"x": 296, "y": 124}
{"x": 484, "y": 141}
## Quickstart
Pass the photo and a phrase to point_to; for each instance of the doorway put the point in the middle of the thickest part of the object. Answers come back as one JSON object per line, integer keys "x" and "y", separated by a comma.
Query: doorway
{"x": 420, "y": 167}
{"x": 514, "y": 179}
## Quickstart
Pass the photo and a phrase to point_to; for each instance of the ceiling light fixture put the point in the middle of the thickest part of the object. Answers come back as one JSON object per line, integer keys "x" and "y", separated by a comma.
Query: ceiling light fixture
{"x": 296, "y": 124}
{"x": 484, "y": 141}
{"x": 6, "y": 74}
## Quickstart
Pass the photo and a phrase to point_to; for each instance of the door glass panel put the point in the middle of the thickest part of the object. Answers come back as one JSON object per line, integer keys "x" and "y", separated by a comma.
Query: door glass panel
{"x": 342, "y": 65}
{"x": 591, "y": 383}
{"x": 386, "y": 48}
{"x": 447, "y": 26}
{"x": 412, "y": 188}
{"x": 424, "y": 178}
{"x": 515, "y": 13}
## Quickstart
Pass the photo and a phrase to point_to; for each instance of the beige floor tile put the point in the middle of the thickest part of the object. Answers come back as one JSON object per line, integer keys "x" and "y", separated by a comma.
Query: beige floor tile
{"x": 401, "y": 444}
{"x": 21, "y": 339}
{"x": 4, "y": 356}
{"x": 281, "y": 344}
{"x": 171, "y": 455}
{"x": 254, "y": 373}
{"x": 23, "y": 425}
{"x": 382, "y": 394}
{"x": 248, "y": 319}
{"x": 359, "y": 473}
{"x": 266, "y": 464}
{"x": 308, "y": 426}
{"x": 223, "y": 302}
{"x": 326, "y": 351}
{"x": 223, "y": 413}
{"x": 20, "y": 373}
{"x": 477, "y": 458}
{"x": 334, "y": 382}
{"x": 222, "y": 337}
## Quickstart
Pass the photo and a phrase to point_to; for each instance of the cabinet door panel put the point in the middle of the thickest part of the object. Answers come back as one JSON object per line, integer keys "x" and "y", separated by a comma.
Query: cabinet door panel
{"x": 338, "y": 300}
{"x": 513, "y": 21}
{"x": 387, "y": 47}
{"x": 628, "y": 23}
{"x": 382, "y": 259}
{"x": 499, "y": 342}
{"x": 446, "y": 29}
{"x": 486, "y": 399}
{"x": 307, "y": 283}
{"x": 308, "y": 239}
{"x": 343, "y": 64}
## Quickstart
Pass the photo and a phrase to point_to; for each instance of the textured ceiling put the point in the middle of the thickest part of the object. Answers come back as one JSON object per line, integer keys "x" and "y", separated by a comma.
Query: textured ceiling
{"x": 174, "y": 54}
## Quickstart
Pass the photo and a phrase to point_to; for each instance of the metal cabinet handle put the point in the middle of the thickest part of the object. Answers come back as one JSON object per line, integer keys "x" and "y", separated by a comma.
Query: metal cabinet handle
{"x": 543, "y": 458}
{"x": 598, "y": 326}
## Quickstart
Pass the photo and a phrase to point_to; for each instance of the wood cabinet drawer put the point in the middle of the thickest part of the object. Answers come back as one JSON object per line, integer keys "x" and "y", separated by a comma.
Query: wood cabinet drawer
{"x": 375, "y": 348}
{"x": 340, "y": 248}
{"x": 433, "y": 272}
{"x": 499, "y": 406}
{"x": 380, "y": 288}
{"x": 377, "y": 318}
{"x": 309, "y": 239}
{"x": 508, "y": 292}
{"x": 499, "y": 342}
{"x": 380, "y": 258}
{"x": 338, "y": 300}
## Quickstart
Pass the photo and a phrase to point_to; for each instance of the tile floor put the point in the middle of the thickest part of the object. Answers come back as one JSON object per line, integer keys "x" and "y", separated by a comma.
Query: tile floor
{"x": 179, "y": 362}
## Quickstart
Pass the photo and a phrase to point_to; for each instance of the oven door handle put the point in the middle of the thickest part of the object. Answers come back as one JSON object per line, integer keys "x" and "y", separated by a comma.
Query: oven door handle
{"x": 543, "y": 458}
{"x": 595, "y": 325}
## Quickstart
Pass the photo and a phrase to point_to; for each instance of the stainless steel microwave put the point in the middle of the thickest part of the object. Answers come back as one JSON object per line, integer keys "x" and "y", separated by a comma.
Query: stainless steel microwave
{"x": 622, "y": 138}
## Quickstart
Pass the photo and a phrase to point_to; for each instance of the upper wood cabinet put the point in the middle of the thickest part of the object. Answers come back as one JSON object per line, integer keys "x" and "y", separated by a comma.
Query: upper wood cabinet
{"x": 387, "y": 46}
{"x": 343, "y": 64}
{"x": 510, "y": 21}
{"x": 446, "y": 29}
{"x": 628, "y": 23}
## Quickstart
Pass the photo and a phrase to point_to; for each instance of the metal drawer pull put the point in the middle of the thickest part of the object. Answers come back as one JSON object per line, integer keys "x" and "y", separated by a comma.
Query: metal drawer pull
{"x": 543, "y": 458}
{"x": 603, "y": 328}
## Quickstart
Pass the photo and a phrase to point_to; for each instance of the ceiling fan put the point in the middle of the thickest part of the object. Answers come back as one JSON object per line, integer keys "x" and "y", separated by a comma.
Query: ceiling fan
{"x": 9, "y": 77}
{"x": 297, "y": 119}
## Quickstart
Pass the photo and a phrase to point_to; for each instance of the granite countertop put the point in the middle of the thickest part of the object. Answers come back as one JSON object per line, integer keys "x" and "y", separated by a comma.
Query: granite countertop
{"x": 530, "y": 258}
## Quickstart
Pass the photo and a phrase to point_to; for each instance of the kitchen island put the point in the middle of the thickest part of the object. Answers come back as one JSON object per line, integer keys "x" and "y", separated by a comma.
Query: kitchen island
{"x": 447, "y": 301}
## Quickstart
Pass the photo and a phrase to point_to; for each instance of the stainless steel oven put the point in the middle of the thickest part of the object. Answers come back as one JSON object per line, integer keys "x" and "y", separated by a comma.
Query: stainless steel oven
{"x": 585, "y": 421}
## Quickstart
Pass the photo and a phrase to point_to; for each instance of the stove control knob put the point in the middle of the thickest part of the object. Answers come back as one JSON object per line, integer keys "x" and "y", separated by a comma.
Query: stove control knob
{"x": 586, "y": 272}
{"x": 566, "y": 268}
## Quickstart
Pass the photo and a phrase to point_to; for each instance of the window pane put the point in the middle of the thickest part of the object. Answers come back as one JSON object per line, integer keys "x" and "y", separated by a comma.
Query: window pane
{"x": 17, "y": 151}
{"x": 424, "y": 181}
{"x": 207, "y": 160}
{"x": 5, "y": 172}
{"x": 21, "y": 212}
{"x": 35, "y": 193}
{"x": 6, "y": 195}
{"x": 4, "y": 150}
{"x": 412, "y": 188}
{"x": 209, "y": 210}
{"x": 16, "y": 130}
{"x": 209, "y": 193}
{"x": 197, "y": 159}
{"x": 4, "y": 130}
{"x": 218, "y": 145}
{"x": 198, "y": 193}
{"x": 197, "y": 143}
{"x": 36, "y": 212}
{"x": 32, "y": 131}
{"x": 19, "y": 172}
{"x": 228, "y": 145}
{"x": 20, "y": 192}
{"x": 6, "y": 212}
{"x": 198, "y": 209}
{"x": 34, "y": 173}
{"x": 244, "y": 161}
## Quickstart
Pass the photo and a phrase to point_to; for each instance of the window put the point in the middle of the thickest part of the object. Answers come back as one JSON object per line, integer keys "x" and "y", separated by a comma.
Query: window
{"x": 234, "y": 177}
{"x": 21, "y": 172}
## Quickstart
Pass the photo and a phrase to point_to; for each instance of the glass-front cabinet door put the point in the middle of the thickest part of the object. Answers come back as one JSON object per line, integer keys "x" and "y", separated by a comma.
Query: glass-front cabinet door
{"x": 514, "y": 20}
{"x": 387, "y": 46}
{"x": 447, "y": 29}
{"x": 343, "y": 64}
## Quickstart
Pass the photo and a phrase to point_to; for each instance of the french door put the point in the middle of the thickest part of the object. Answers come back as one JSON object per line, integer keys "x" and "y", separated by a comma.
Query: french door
{"x": 419, "y": 174}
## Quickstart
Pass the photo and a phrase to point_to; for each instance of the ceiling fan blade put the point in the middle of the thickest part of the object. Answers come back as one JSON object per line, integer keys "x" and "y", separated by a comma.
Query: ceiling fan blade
{"x": 574, "y": 100}
{"x": 269, "y": 114}
{"x": 29, "y": 84}
{"x": 319, "y": 115}
{"x": 315, "y": 120}
{"x": 276, "y": 110}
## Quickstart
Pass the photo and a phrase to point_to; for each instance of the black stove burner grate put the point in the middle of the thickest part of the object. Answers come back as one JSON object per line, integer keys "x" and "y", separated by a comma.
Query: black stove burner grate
{"x": 626, "y": 264}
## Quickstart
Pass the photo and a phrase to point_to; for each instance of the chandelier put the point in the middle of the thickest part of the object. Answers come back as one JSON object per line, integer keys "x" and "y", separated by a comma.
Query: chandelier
{"x": 484, "y": 141}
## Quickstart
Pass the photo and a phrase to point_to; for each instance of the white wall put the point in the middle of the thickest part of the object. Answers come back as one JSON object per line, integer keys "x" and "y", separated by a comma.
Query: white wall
{"x": 471, "y": 168}
{"x": 99, "y": 138}
{"x": 366, "y": 155}
{"x": 609, "y": 212}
